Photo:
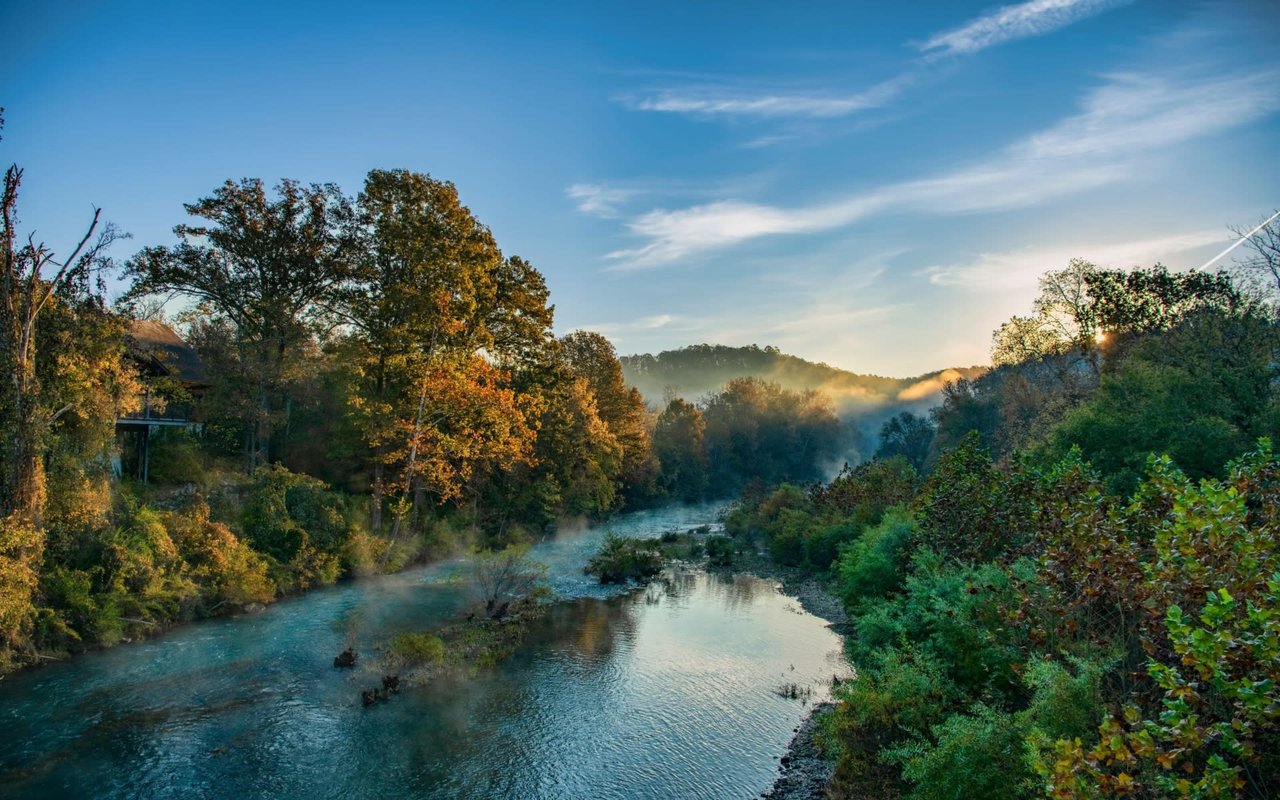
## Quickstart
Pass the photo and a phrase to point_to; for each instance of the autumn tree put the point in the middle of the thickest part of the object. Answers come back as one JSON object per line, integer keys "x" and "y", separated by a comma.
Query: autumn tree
{"x": 425, "y": 309}
{"x": 622, "y": 408}
{"x": 63, "y": 386}
{"x": 270, "y": 266}
{"x": 33, "y": 277}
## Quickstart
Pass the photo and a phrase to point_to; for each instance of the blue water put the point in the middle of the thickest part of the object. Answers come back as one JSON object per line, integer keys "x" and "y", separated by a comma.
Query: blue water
{"x": 667, "y": 691}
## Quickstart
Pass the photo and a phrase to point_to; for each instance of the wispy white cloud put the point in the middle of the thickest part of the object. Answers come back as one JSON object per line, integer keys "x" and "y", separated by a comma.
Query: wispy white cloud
{"x": 621, "y": 331}
{"x": 1024, "y": 20}
{"x": 768, "y": 141}
{"x": 1128, "y": 118}
{"x": 598, "y": 200}
{"x": 718, "y": 101}
{"x": 1020, "y": 21}
{"x": 1022, "y": 268}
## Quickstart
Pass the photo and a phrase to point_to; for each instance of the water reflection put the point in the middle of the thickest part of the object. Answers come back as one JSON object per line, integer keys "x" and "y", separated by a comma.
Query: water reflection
{"x": 667, "y": 691}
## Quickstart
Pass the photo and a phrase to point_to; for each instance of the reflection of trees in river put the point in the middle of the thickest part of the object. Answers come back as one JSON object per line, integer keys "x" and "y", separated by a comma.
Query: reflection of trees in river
{"x": 738, "y": 591}
{"x": 589, "y": 628}
{"x": 677, "y": 586}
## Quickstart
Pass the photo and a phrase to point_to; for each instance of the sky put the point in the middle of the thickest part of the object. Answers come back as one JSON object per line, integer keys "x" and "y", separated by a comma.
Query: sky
{"x": 873, "y": 185}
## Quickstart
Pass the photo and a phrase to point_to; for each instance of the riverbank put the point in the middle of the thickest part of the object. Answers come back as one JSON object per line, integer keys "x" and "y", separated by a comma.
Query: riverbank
{"x": 806, "y": 770}
{"x": 814, "y": 594}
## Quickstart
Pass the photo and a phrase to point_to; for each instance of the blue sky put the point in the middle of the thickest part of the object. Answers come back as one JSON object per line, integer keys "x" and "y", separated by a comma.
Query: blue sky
{"x": 876, "y": 186}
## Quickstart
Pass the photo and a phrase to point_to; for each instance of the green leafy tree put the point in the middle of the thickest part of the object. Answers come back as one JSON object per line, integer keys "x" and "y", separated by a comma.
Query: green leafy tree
{"x": 679, "y": 442}
{"x": 1200, "y": 392}
{"x": 907, "y": 435}
{"x": 270, "y": 266}
{"x": 757, "y": 429}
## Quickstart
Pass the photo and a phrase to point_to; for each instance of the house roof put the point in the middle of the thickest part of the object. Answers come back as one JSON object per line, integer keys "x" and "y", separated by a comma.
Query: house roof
{"x": 165, "y": 351}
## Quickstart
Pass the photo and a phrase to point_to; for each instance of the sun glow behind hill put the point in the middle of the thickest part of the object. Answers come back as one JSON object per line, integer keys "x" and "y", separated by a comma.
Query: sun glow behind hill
{"x": 864, "y": 400}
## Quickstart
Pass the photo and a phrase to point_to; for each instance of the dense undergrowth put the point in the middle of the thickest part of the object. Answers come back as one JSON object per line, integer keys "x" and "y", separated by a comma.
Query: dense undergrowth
{"x": 1055, "y": 607}
{"x": 168, "y": 554}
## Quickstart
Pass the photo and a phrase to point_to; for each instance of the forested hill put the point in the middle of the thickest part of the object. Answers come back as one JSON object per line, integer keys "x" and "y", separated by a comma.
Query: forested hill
{"x": 695, "y": 371}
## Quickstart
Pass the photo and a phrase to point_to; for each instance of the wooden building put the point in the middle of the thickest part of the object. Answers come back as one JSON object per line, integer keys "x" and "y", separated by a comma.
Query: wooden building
{"x": 174, "y": 379}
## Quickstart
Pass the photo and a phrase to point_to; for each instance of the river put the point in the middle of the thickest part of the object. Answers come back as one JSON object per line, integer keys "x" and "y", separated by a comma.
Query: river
{"x": 664, "y": 692}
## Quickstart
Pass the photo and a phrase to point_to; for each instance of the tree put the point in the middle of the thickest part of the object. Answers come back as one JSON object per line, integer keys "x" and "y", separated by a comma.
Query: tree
{"x": 33, "y": 276}
{"x": 269, "y": 265}
{"x": 432, "y": 297}
{"x": 755, "y": 429}
{"x": 1201, "y": 393}
{"x": 1082, "y": 307}
{"x": 909, "y": 436}
{"x": 1261, "y": 268}
{"x": 59, "y": 358}
{"x": 622, "y": 408}
{"x": 678, "y": 441}
{"x": 506, "y": 576}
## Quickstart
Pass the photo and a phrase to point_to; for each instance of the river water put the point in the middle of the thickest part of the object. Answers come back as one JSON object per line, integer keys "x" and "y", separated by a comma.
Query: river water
{"x": 663, "y": 692}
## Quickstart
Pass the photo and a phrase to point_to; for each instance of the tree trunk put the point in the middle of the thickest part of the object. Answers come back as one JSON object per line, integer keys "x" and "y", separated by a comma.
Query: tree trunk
{"x": 375, "y": 500}
{"x": 25, "y": 489}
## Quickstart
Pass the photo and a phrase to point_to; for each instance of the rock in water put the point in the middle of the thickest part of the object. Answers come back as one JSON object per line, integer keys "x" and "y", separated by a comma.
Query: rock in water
{"x": 347, "y": 658}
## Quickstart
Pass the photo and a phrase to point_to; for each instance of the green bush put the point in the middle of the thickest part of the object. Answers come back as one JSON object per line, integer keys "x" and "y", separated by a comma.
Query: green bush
{"x": 875, "y": 565}
{"x": 621, "y": 559}
{"x": 92, "y": 618}
{"x": 979, "y": 754}
{"x": 954, "y": 613}
{"x": 787, "y": 534}
{"x": 1066, "y": 705}
{"x": 903, "y": 697}
{"x": 175, "y": 458}
{"x": 720, "y": 551}
{"x": 299, "y": 522}
{"x": 412, "y": 649}
{"x": 822, "y": 545}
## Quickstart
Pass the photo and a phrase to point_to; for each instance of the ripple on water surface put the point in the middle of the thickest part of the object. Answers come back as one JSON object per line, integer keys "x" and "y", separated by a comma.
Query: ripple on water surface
{"x": 663, "y": 692}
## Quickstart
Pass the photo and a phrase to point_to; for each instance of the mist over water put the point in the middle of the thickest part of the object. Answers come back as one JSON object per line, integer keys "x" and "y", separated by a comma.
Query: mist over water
{"x": 663, "y": 691}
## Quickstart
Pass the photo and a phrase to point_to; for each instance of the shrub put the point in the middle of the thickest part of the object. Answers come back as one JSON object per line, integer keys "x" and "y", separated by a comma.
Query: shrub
{"x": 175, "y": 459}
{"x": 969, "y": 509}
{"x": 787, "y": 534}
{"x": 979, "y": 754}
{"x": 227, "y": 568}
{"x": 17, "y": 583}
{"x": 1066, "y": 705}
{"x": 299, "y": 522}
{"x": 955, "y": 614}
{"x": 876, "y": 564}
{"x": 904, "y": 696}
{"x": 862, "y": 494}
{"x": 720, "y": 551}
{"x": 822, "y": 546}
{"x": 621, "y": 559}
{"x": 412, "y": 649}
{"x": 93, "y": 618}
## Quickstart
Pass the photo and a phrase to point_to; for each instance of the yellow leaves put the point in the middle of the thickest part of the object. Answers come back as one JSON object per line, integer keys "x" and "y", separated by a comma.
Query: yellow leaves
{"x": 459, "y": 417}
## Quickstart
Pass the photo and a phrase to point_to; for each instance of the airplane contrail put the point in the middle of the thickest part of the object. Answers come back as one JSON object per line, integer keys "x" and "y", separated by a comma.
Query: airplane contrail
{"x": 1240, "y": 241}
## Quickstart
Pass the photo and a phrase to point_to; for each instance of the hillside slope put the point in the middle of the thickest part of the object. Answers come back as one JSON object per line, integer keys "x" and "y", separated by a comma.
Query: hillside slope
{"x": 867, "y": 400}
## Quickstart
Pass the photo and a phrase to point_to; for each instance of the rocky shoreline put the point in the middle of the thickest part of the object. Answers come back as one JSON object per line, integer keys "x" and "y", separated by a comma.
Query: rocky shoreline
{"x": 806, "y": 770}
